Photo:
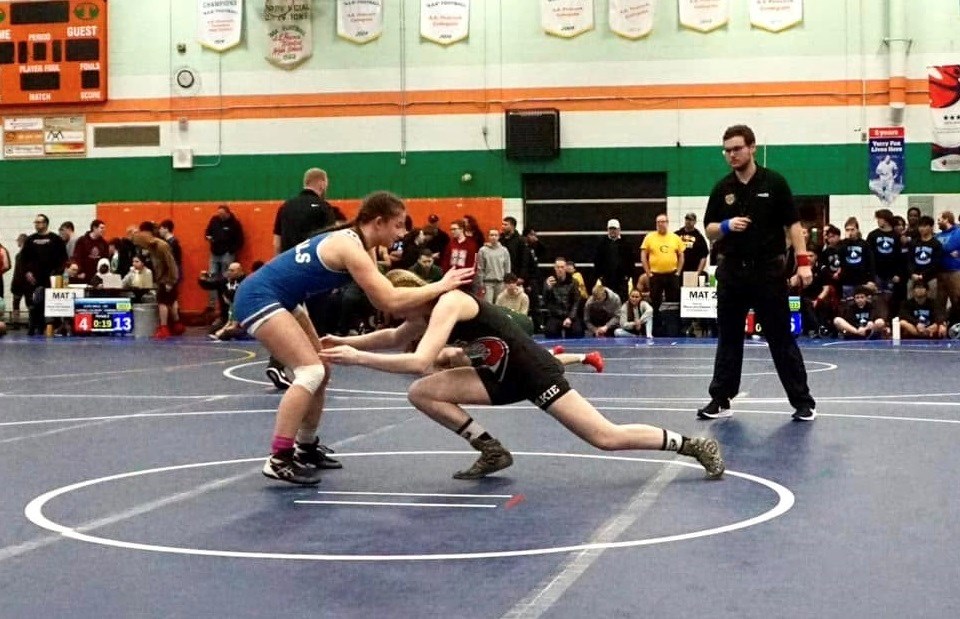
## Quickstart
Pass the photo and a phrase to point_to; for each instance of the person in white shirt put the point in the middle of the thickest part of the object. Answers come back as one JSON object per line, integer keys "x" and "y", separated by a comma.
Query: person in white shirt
{"x": 887, "y": 171}
{"x": 513, "y": 297}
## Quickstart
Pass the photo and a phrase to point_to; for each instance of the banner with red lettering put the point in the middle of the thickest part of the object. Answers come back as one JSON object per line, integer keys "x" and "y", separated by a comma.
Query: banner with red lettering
{"x": 566, "y": 18}
{"x": 444, "y": 21}
{"x": 704, "y": 15}
{"x": 219, "y": 23}
{"x": 631, "y": 19}
{"x": 944, "y": 84}
{"x": 360, "y": 21}
{"x": 289, "y": 32}
{"x": 775, "y": 15}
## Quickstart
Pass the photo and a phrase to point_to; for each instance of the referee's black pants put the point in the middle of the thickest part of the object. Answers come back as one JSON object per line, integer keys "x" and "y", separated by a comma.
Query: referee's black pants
{"x": 762, "y": 286}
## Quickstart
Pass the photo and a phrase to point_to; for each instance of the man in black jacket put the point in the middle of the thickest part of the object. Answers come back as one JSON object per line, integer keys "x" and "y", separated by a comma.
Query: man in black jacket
{"x": 225, "y": 235}
{"x": 614, "y": 260}
{"x": 44, "y": 254}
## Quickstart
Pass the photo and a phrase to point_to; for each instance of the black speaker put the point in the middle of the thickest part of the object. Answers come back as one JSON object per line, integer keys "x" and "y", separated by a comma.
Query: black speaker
{"x": 533, "y": 134}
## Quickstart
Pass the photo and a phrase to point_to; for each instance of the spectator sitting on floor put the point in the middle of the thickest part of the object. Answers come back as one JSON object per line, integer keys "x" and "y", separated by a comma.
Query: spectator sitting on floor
{"x": 71, "y": 275}
{"x": 601, "y": 313}
{"x": 577, "y": 278}
{"x": 636, "y": 315}
{"x": 920, "y": 317}
{"x": 103, "y": 278}
{"x": 226, "y": 287}
{"x": 425, "y": 267}
{"x": 139, "y": 277}
{"x": 513, "y": 297}
{"x": 859, "y": 319}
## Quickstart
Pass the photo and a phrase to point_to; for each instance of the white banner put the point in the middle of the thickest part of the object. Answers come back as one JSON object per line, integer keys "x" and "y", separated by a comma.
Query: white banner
{"x": 289, "y": 32}
{"x": 566, "y": 18}
{"x": 444, "y": 21}
{"x": 704, "y": 15}
{"x": 631, "y": 19}
{"x": 775, "y": 15}
{"x": 944, "y": 88}
{"x": 58, "y": 302}
{"x": 219, "y": 23}
{"x": 360, "y": 21}
{"x": 698, "y": 302}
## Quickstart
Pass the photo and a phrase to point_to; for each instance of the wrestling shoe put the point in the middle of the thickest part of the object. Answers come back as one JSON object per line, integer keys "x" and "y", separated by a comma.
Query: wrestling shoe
{"x": 279, "y": 378}
{"x": 493, "y": 457}
{"x": 315, "y": 455}
{"x": 177, "y": 328}
{"x": 804, "y": 413}
{"x": 707, "y": 452}
{"x": 595, "y": 359}
{"x": 716, "y": 409}
{"x": 161, "y": 333}
{"x": 283, "y": 466}
{"x": 558, "y": 349}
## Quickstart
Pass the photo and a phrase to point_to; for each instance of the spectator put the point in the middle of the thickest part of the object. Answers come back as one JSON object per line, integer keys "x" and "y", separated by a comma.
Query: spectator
{"x": 225, "y": 287}
{"x": 695, "y": 245}
{"x": 860, "y": 319}
{"x": 817, "y": 299}
{"x": 913, "y": 223}
{"x": 471, "y": 230}
{"x": 511, "y": 239}
{"x": 920, "y": 318}
{"x": 68, "y": 234}
{"x": 414, "y": 243}
{"x": 532, "y": 254}
{"x": 513, "y": 297}
{"x": 636, "y": 316}
{"x": 44, "y": 254}
{"x": 856, "y": 259}
{"x": 165, "y": 232}
{"x": 493, "y": 263}
{"x": 139, "y": 277}
{"x": 601, "y": 313}
{"x": 71, "y": 275}
{"x": 104, "y": 278}
{"x": 889, "y": 266}
{"x": 948, "y": 281}
{"x": 561, "y": 301}
{"x": 89, "y": 249}
{"x": 461, "y": 251}
{"x": 577, "y": 278}
{"x": 396, "y": 249}
{"x": 925, "y": 258}
{"x": 18, "y": 283}
{"x": 303, "y": 215}
{"x": 165, "y": 278}
{"x": 662, "y": 254}
{"x": 614, "y": 259}
{"x": 6, "y": 263}
{"x": 440, "y": 241}
{"x": 225, "y": 235}
{"x": 424, "y": 267}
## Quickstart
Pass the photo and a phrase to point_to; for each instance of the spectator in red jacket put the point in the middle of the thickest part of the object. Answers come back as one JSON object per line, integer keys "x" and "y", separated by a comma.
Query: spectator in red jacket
{"x": 461, "y": 251}
{"x": 90, "y": 248}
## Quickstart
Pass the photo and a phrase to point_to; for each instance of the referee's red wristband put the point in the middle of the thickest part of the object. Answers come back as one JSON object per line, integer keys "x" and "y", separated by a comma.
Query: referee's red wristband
{"x": 803, "y": 260}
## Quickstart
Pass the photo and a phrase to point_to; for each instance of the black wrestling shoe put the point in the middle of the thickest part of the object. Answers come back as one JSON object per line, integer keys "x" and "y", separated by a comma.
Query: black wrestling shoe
{"x": 493, "y": 457}
{"x": 804, "y": 413}
{"x": 315, "y": 455}
{"x": 279, "y": 378}
{"x": 284, "y": 467}
{"x": 716, "y": 409}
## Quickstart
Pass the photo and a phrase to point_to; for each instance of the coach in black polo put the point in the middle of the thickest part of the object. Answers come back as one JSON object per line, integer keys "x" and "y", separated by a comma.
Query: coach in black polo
{"x": 748, "y": 214}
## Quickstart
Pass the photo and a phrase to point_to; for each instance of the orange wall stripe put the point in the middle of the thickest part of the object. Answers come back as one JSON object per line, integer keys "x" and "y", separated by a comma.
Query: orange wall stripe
{"x": 191, "y": 218}
{"x": 442, "y": 102}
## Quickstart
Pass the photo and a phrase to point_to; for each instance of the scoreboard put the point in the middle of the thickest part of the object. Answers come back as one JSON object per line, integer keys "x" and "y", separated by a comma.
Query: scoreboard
{"x": 102, "y": 315}
{"x": 53, "y": 51}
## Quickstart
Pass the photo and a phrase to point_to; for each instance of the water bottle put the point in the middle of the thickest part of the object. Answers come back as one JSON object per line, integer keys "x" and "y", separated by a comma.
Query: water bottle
{"x": 896, "y": 329}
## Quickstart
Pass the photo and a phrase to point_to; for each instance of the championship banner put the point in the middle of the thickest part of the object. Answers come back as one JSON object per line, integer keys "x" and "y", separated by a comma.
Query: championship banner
{"x": 360, "y": 21}
{"x": 631, "y": 19}
{"x": 704, "y": 15}
{"x": 886, "y": 165}
{"x": 944, "y": 85}
{"x": 566, "y": 18}
{"x": 289, "y": 32}
{"x": 219, "y": 23}
{"x": 775, "y": 15}
{"x": 444, "y": 21}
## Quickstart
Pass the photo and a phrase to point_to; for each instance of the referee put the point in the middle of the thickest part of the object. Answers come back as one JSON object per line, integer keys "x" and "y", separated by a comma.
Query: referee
{"x": 297, "y": 220}
{"x": 747, "y": 214}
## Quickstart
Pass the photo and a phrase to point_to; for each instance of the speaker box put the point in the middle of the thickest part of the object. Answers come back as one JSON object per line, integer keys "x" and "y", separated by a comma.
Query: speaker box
{"x": 533, "y": 134}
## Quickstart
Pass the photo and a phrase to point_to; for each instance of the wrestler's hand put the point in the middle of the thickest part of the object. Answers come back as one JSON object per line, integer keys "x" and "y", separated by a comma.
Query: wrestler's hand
{"x": 341, "y": 355}
{"x": 454, "y": 278}
{"x": 329, "y": 341}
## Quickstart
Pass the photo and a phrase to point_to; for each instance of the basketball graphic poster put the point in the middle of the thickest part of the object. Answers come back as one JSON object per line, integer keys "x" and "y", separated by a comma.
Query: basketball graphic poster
{"x": 944, "y": 83}
{"x": 886, "y": 163}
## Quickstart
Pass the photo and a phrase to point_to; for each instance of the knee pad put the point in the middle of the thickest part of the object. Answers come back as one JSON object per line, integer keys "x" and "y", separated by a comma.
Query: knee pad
{"x": 309, "y": 376}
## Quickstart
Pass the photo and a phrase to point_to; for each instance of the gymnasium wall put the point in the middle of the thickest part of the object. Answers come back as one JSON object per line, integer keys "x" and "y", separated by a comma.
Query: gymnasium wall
{"x": 655, "y": 104}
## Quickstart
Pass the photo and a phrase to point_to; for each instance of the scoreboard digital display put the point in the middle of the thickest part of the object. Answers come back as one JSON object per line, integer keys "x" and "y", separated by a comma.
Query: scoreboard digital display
{"x": 53, "y": 51}
{"x": 107, "y": 315}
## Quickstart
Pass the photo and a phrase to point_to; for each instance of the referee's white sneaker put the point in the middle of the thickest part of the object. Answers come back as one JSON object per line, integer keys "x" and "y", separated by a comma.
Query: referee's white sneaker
{"x": 805, "y": 413}
{"x": 716, "y": 409}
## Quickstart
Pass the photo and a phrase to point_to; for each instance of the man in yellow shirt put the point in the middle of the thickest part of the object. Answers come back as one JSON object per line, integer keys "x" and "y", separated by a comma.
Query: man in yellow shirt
{"x": 662, "y": 257}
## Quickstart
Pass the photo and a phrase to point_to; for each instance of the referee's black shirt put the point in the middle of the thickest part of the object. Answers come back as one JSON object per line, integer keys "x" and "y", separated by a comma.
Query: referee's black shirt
{"x": 300, "y": 217}
{"x": 766, "y": 200}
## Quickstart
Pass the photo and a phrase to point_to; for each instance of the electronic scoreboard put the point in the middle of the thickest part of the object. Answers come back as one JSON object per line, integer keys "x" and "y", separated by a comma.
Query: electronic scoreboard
{"x": 53, "y": 51}
{"x": 107, "y": 315}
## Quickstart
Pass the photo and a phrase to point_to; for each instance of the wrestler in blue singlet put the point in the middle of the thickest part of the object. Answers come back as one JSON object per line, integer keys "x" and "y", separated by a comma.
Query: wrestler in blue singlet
{"x": 287, "y": 281}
